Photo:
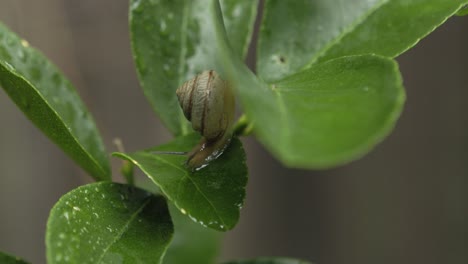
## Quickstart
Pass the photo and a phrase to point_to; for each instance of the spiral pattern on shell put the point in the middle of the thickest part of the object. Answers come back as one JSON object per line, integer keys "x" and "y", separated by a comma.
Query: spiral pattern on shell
{"x": 208, "y": 103}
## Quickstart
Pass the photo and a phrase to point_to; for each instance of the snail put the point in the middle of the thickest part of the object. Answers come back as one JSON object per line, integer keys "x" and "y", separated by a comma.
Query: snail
{"x": 208, "y": 102}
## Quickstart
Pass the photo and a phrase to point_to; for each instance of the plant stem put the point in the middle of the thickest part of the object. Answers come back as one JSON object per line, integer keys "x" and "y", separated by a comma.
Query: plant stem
{"x": 127, "y": 167}
{"x": 243, "y": 127}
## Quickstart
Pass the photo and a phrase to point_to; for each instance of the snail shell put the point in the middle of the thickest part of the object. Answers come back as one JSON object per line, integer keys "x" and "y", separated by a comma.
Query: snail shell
{"x": 209, "y": 104}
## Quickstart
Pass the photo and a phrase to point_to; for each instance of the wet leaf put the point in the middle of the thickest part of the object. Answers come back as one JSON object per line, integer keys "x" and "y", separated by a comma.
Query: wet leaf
{"x": 329, "y": 114}
{"x": 7, "y": 259}
{"x": 292, "y": 33}
{"x": 172, "y": 41}
{"x": 49, "y": 100}
{"x": 212, "y": 196}
{"x": 192, "y": 243}
{"x": 394, "y": 27}
{"x": 108, "y": 223}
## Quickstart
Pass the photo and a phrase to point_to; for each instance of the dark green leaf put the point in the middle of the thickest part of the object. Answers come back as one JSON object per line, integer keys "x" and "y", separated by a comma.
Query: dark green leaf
{"x": 293, "y": 33}
{"x": 49, "y": 100}
{"x": 7, "y": 259}
{"x": 395, "y": 27}
{"x": 108, "y": 223}
{"x": 192, "y": 243}
{"x": 327, "y": 115}
{"x": 211, "y": 196}
{"x": 269, "y": 261}
{"x": 173, "y": 41}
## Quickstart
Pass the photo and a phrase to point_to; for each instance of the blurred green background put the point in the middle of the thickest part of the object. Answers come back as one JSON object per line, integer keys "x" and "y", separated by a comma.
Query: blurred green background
{"x": 405, "y": 202}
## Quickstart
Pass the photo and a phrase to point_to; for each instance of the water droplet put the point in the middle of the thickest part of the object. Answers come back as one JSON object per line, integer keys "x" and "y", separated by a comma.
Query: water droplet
{"x": 76, "y": 208}
{"x": 163, "y": 26}
{"x": 24, "y": 43}
{"x": 66, "y": 215}
{"x": 182, "y": 210}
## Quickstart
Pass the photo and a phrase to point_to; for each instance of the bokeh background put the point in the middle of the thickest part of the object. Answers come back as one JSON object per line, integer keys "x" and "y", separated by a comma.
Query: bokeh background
{"x": 405, "y": 202}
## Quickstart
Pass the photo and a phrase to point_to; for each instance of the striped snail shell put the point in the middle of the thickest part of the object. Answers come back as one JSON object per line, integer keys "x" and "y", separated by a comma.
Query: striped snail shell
{"x": 209, "y": 104}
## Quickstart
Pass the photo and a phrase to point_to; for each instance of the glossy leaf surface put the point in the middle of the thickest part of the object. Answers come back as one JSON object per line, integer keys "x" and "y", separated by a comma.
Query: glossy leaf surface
{"x": 212, "y": 196}
{"x": 327, "y": 115}
{"x": 48, "y": 99}
{"x": 172, "y": 41}
{"x": 292, "y": 33}
{"x": 269, "y": 261}
{"x": 331, "y": 113}
{"x": 192, "y": 243}
{"x": 463, "y": 11}
{"x": 108, "y": 223}
{"x": 7, "y": 259}
{"x": 395, "y": 27}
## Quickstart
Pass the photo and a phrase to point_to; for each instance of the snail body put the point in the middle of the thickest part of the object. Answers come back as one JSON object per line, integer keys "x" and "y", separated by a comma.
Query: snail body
{"x": 209, "y": 104}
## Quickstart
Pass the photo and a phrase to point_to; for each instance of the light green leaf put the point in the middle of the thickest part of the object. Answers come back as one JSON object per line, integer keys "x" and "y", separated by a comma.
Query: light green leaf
{"x": 270, "y": 261}
{"x": 7, "y": 259}
{"x": 329, "y": 114}
{"x": 395, "y": 27}
{"x": 463, "y": 11}
{"x": 49, "y": 100}
{"x": 211, "y": 196}
{"x": 292, "y": 33}
{"x": 108, "y": 223}
{"x": 192, "y": 243}
{"x": 172, "y": 41}
{"x": 239, "y": 18}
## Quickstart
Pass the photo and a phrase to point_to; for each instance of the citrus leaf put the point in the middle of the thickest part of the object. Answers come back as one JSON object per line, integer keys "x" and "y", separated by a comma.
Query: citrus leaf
{"x": 212, "y": 196}
{"x": 395, "y": 27}
{"x": 239, "y": 18}
{"x": 49, "y": 100}
{"x": 172, "y": 41}
{"x": 269, "y": 261}
{"x": 7, "y": 259}
{"x": 463, "y": 11}
{"x": 108, "y": 223}
{"x": 192, "y": 243}
{"x": 294, "y": 32}
{"x": 325, "y": 116}
{"x": 329, "y": 114}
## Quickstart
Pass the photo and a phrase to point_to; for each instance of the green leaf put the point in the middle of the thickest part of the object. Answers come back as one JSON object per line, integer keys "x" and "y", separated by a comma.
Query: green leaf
{"x": 172, "y": 41}
{"x": 292, "y": 33}
{"x": 329, "y": 114}
{"x": 463, "y": 11}
{"x": 108, "y": 223}
{"x": 395, "y": 27}
{"x": 211, "y": 196}
{"x": 270, "y": 261}
{"x": 239, "y": 18}
{"x": 192, "y": 243}
{"x": 49, "y": 100}
{"x": 7, "y": 259}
